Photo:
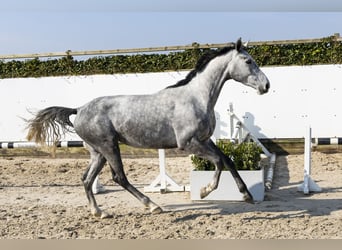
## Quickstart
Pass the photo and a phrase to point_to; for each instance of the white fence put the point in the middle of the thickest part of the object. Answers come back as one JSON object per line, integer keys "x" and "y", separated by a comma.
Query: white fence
{"x": 299, "y": 95}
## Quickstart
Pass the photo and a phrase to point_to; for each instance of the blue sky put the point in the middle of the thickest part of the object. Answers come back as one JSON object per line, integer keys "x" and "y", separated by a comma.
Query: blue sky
{"x": 33, "y": 26}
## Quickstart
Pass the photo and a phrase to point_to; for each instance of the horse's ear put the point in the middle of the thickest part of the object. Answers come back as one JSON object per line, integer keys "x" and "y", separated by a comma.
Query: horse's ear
{"x": 238, "y": 44}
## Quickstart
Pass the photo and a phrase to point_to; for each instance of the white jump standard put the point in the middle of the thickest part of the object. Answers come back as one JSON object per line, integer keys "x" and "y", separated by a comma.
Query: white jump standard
{"x": 308, "y": 185}
{"x": 163, "y": 182}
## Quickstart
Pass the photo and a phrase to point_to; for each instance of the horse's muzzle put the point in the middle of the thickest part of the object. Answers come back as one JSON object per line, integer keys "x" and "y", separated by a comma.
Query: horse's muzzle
{"x": 263, "y": 88}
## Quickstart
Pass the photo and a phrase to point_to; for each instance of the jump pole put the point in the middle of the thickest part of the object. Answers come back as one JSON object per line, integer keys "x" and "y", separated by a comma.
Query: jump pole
{"x": 162, "y": 183}
{"x": 96, "y": 187}
{"x": 26, "y": 144}
{"x": 308, "y": 184}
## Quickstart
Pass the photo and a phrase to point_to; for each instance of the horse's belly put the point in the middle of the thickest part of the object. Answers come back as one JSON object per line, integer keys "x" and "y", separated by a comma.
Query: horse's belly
{"x": 148, "y": 137}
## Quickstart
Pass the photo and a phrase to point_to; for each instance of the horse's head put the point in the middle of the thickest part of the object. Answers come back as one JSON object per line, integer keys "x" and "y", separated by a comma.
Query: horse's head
{"x": 242, "y": 68}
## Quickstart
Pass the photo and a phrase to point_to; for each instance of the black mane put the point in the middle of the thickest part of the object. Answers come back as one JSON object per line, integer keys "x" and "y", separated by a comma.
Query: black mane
{"x": 201, "y": 64}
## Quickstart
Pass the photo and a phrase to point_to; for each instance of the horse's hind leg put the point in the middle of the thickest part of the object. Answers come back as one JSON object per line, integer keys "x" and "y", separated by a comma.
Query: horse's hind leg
{"x": 112, "y": 154}
{"x": 96, "y": 164}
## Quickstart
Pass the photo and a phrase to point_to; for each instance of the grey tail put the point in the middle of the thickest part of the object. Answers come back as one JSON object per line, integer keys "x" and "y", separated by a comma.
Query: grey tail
{"x": 50, "y": 124}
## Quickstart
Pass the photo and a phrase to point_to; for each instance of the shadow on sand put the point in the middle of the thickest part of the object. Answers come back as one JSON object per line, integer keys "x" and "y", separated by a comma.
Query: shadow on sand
{"x": 282, "y": 201}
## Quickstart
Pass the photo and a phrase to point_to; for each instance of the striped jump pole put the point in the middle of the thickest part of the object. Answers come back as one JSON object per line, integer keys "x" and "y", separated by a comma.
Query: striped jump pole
{"x": 25, "y": 144}
{"x": 308, "y": 185}
{"x": 163, "y": 183}
{"x": 327, "y": 141}
{"x": 97, "y": 187}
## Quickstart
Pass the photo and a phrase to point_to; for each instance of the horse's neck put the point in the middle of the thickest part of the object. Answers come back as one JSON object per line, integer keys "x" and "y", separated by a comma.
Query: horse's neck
{"x": 208, "y": 84}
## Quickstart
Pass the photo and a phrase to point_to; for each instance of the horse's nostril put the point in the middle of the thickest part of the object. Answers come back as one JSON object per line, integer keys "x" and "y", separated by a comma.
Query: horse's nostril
{"x": 267, "y": 86}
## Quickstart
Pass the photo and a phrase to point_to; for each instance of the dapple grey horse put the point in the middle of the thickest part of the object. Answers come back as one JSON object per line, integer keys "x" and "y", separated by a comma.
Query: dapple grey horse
{"x": 179, "y": 116}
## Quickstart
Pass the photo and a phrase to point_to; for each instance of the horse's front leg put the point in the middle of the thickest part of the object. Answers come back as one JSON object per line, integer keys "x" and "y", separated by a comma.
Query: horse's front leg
{"x": 247, "y": 196}
{"x": 205, "y": 191}
{"x": 209, "y": 151}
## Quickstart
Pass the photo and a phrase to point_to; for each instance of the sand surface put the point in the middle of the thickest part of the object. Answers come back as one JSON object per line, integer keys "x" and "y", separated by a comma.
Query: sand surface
{"x": 43, "y": 198}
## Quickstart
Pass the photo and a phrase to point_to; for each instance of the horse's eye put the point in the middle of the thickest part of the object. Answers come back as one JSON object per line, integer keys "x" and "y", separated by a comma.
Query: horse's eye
{"x": 248, "y": 61}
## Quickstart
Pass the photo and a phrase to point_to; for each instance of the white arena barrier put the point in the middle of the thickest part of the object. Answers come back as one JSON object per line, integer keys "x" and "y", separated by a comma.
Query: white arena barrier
{"x": 295, "y": 97}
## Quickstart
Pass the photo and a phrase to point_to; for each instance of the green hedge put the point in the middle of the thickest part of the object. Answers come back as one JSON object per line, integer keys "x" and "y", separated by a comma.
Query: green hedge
{"x": 246, "y": 156}
{"x": 328, "y": 51}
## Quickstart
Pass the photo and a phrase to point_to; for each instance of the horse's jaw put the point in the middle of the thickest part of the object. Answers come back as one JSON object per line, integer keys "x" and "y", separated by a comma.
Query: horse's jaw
{"x": 261, "y": 87}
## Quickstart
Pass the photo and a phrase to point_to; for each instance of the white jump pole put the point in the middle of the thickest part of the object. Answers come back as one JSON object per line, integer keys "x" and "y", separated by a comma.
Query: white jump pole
{"x": 270, "y": 171}
{"x": 308, "y": 185}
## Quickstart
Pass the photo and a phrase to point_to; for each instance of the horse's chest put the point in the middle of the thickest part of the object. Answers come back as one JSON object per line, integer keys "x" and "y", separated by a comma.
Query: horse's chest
{"x": 206, "y": 126}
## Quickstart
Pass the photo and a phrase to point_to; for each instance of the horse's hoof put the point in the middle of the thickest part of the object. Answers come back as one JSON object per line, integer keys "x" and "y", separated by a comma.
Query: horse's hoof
{"x": 248, "y": 198}
{"x": 96, "y": 213}
{"x": 101, "y": 214}
{"x": 203, "y": 192}
{"x": 106, "y": 215}
{"x": 156, "y": 210}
